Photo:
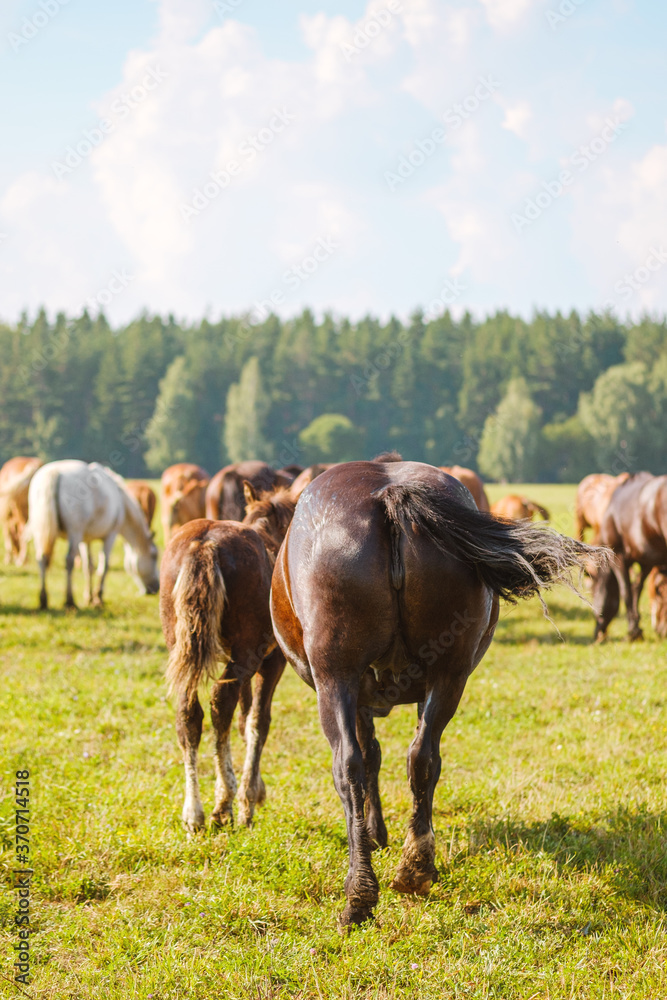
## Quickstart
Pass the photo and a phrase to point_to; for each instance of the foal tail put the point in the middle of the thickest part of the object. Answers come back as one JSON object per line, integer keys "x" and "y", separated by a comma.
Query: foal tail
{"x": 199, "y": 600}
{"x": 514, "y": 558}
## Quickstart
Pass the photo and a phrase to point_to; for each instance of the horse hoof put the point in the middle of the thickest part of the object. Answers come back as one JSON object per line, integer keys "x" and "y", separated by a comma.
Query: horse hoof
{"x": 599, "y": 638}
{"x": 636, "y": 635}
{"x": 261, "y": 792}
{"x": 222, "y": 819}
{"x": 354, "y": 916}
{"x": 70, "y": 606}
{"x": 415, "y": 883}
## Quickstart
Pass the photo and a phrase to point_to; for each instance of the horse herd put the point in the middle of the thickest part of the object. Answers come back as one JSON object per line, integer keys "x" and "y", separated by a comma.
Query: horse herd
{"x": 378, "y": 581}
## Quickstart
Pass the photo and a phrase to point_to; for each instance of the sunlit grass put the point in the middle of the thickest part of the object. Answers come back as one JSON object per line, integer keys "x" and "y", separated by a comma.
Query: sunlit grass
{"x": 550, "y": 821}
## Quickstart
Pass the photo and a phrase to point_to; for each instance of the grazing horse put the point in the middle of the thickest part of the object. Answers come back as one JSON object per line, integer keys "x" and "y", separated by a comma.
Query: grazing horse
{"x": 14, "y": 509}
{"x": 593, "y": 496}
{"x": 225, "y": 499}
{"x": 634, "y": 526}
{"x": 81, "y": 502}
{"x": 518, "y": 508}
{"x": 386, "y": 590}
{"x": 182, "y": 495}
{"x": 214, "y": 608}
{"x": 657, "y": 593}
{"x": 144, "y": 496}
{"x": 472, "y": 481}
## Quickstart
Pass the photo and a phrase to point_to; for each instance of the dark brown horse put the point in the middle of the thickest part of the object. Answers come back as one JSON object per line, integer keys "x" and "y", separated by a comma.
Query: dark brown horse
{"x": 214, "y": 607}
{"x": 386, "y": 590}
{"x": 634, "y": 526}
{"x": 225, "y": 499}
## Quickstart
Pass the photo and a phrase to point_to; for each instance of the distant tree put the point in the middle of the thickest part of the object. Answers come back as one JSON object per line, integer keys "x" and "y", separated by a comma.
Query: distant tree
{"x": 624, "y": 414}
{"x": 330, "y": 437}
{"x": 511, "y": 437}
{"x": 568, "y": 452}
{"x": 247, "y": 408}
{"x": 172, "y": 428}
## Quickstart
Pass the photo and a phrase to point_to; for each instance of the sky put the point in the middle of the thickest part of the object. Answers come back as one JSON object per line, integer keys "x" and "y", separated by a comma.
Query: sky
{"x": 211, "y": 158}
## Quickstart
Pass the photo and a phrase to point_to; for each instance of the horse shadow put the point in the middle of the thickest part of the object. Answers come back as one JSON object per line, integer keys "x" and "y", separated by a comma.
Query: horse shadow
{"x": 81, "y": 612}
{"x": 628, "y": 847}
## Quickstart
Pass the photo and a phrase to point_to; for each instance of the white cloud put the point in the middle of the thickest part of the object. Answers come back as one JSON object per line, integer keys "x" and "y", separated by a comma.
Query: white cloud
{"x": 517, "y": 118}
{"x": 503, "y": 13}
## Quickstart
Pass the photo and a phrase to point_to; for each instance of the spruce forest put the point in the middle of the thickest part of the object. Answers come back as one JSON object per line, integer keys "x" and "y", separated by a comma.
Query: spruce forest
{"x": 547, "y": 400}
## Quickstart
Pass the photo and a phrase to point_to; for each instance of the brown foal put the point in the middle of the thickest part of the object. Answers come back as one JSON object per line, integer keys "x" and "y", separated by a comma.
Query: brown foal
{"x": 214, "y": 607}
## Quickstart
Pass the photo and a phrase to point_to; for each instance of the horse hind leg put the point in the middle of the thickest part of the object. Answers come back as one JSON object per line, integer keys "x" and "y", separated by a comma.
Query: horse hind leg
{"x": 252, "y": 791}
{"x": 337, "y": 703}
{"x": 189, "y": 719}
{"x": 245, "y": 702}
{"x": 372, "y": 754}
{"x": 69, "y": 566}
{"x": 416, "y": 871}
{"x": 224, "y": 698}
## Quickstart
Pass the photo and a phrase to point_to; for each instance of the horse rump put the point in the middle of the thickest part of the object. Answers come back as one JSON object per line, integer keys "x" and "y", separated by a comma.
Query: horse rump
{"x": 516, "y": 559}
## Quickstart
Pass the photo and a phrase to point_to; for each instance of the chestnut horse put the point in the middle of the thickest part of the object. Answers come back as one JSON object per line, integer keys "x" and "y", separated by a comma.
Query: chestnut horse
{"x": 182, "y": 495}
{"x": 472, "y": 481}
{"x": 656, "y": 585}
{"x": 144, "y": 496}
{"x": 593, "y": 496}
{"x": 225, "y": 499}
{"x": 386, "y": 590}
{"x": 14, "y": 509}
{"x": 634, "y": 526}
{"x": 518, "y": 508}
{"x": 214, "y": 608}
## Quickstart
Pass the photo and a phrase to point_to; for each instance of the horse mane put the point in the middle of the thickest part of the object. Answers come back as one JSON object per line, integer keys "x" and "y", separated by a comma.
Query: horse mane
{"x": 281, "y": 503}
{"x": 388, "y": 456}
{"x": 130, "y": 500}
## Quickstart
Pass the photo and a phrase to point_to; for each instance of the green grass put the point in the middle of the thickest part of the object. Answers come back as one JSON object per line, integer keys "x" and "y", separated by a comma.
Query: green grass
{"x": 550, "y": 820}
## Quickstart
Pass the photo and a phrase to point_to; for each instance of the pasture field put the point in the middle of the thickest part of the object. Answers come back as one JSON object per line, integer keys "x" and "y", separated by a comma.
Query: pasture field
{"x": 550, "y": 817}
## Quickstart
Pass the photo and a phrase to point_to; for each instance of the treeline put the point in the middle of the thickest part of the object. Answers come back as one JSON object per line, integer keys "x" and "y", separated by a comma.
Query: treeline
{"x": 551, "y": 399}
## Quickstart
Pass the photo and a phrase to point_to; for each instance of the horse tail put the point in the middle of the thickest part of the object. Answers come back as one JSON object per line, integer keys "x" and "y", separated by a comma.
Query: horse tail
{"x": 516, "y": 559}
{"x": 43, "y": 517}
{"x": 199, "y": 600}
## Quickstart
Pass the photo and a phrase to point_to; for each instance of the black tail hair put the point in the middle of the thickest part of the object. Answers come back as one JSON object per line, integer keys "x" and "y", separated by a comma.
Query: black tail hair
{"x": 515, "y": 559}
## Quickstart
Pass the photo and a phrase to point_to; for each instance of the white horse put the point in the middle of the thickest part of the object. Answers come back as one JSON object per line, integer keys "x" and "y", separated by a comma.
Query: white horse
{"x": 81, "y": 502}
